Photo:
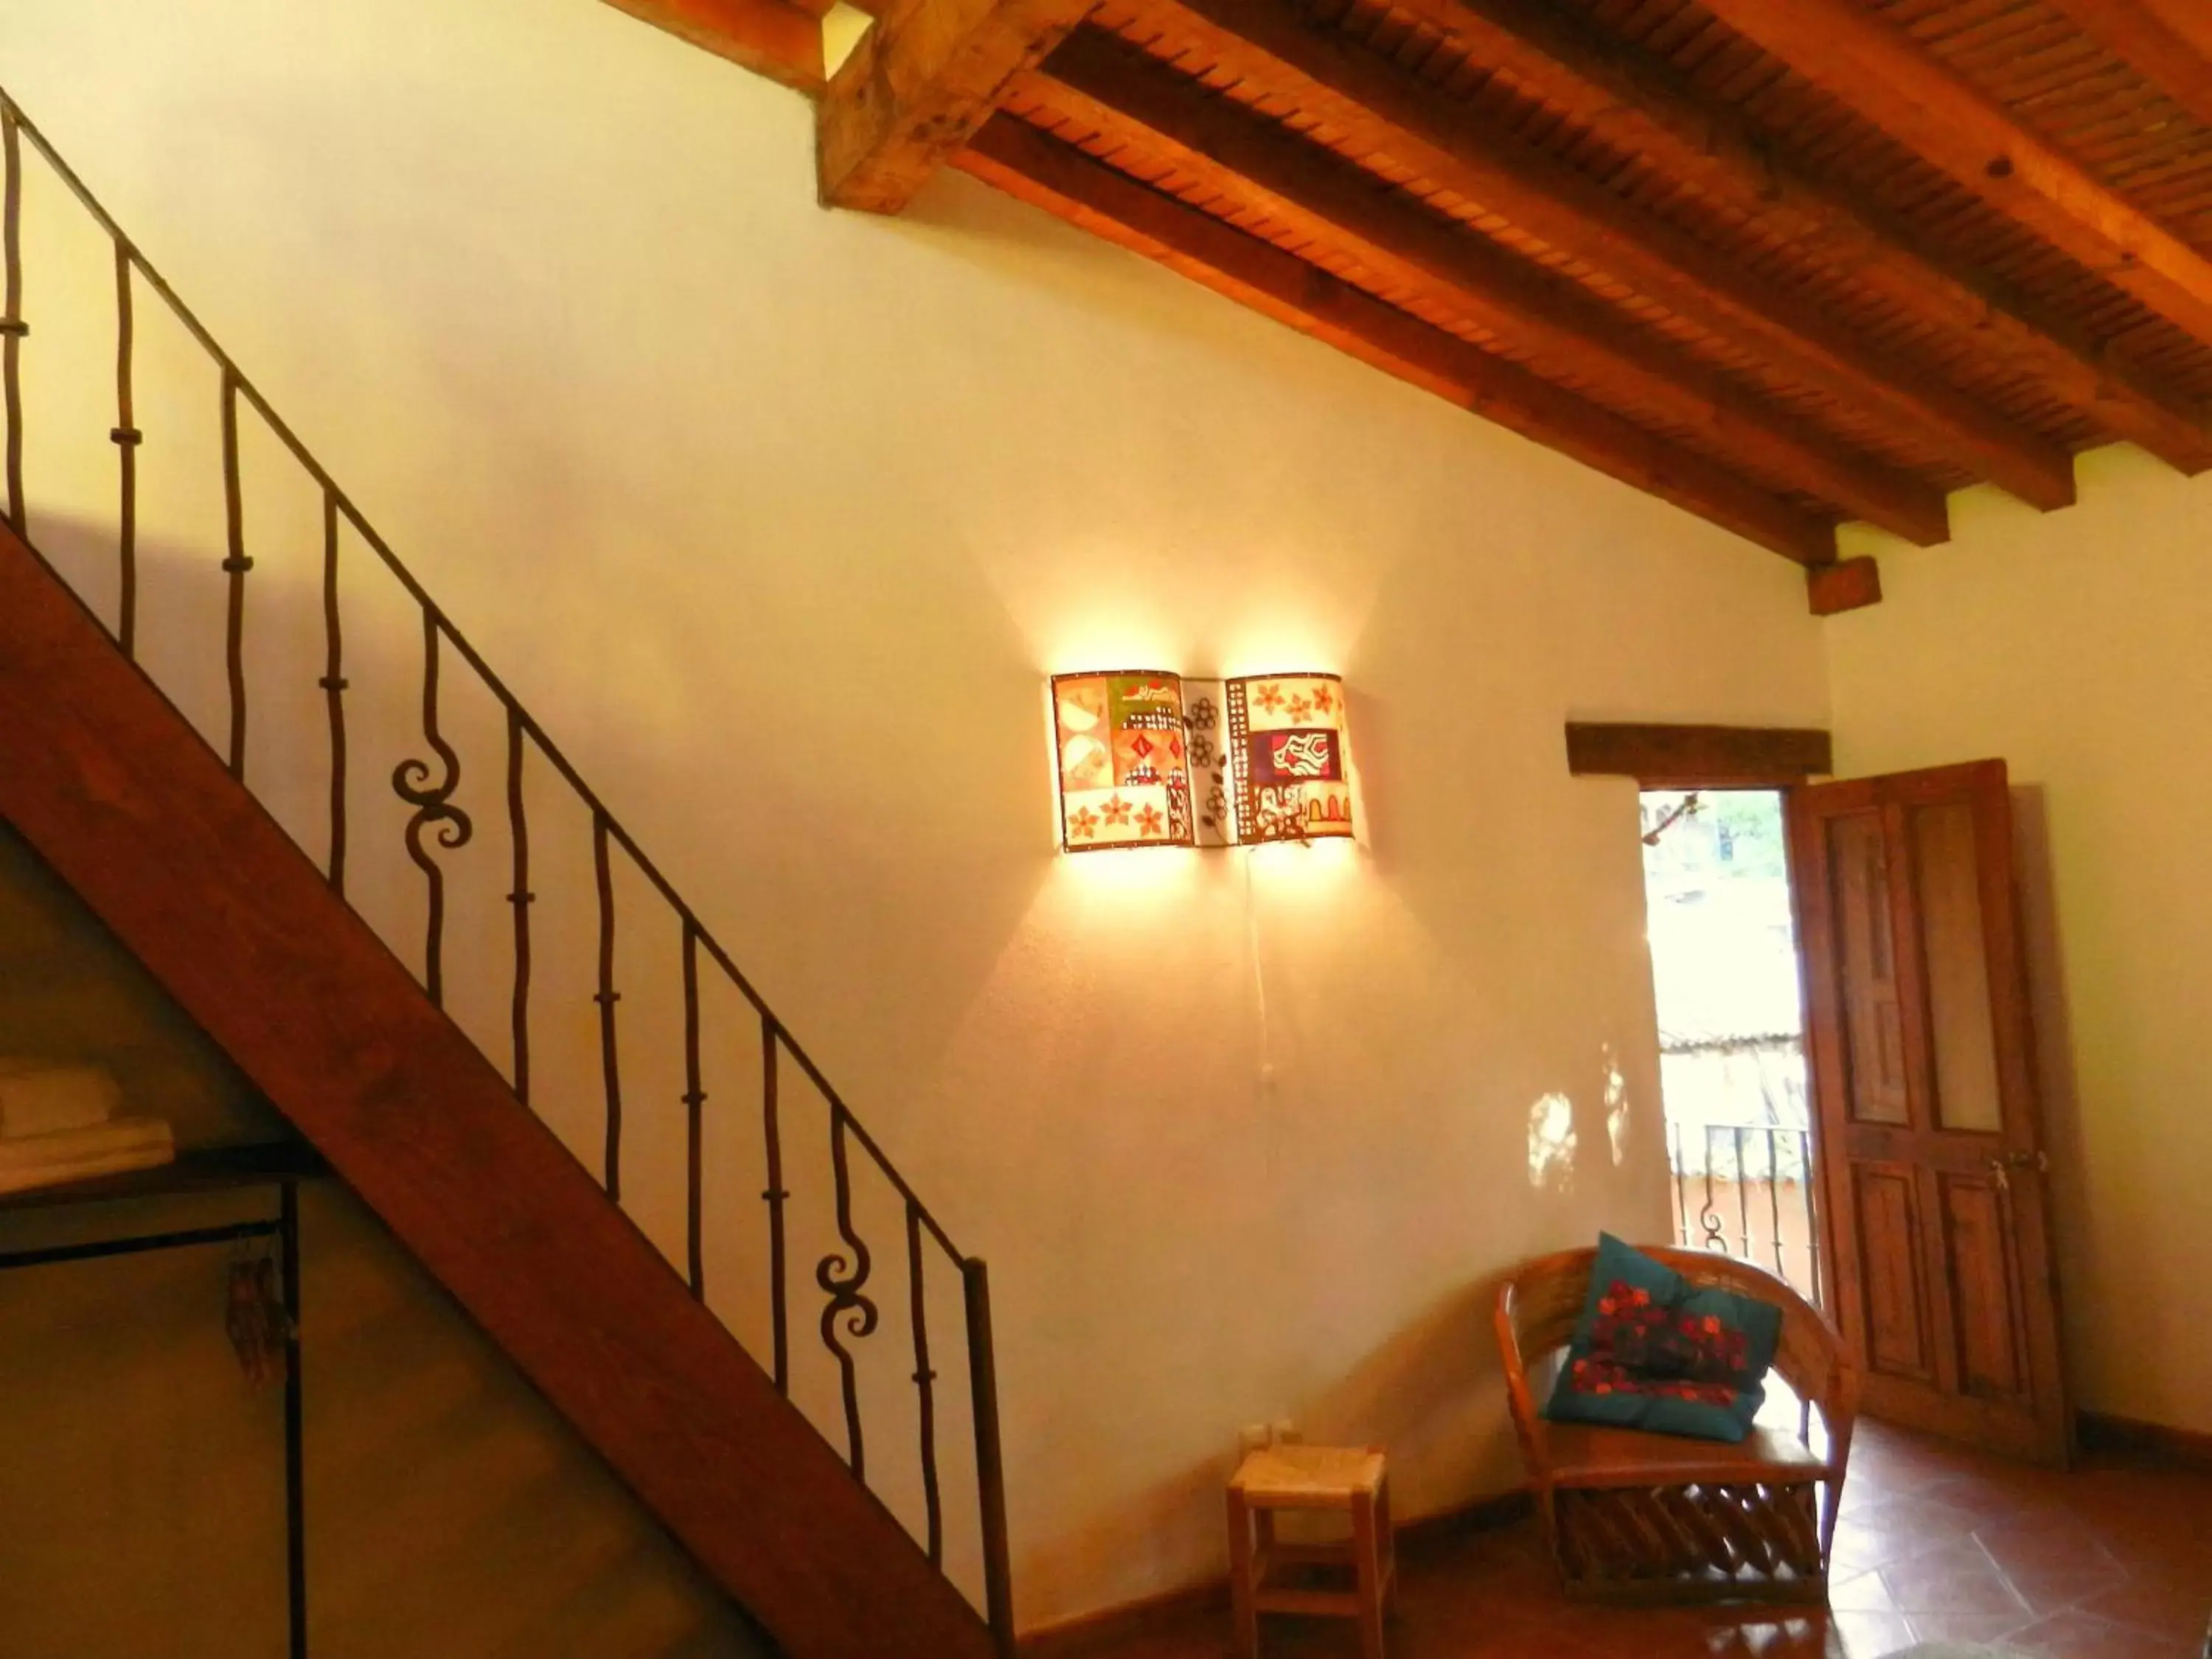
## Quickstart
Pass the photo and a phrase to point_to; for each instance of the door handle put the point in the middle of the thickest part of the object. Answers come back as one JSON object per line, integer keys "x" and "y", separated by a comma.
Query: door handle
{"x": 2002, "y": 1165}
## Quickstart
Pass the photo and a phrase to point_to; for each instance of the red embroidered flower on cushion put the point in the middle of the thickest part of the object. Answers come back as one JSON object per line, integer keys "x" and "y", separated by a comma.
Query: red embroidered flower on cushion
{"x": 1638, "y": 1346}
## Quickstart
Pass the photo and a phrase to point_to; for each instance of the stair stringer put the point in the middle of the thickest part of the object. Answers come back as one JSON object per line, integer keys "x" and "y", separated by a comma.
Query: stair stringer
{"x": 118, "y": 794}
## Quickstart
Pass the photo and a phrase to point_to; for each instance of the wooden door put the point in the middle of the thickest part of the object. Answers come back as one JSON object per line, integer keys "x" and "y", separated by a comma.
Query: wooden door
{"x": 1932, "y": 1166}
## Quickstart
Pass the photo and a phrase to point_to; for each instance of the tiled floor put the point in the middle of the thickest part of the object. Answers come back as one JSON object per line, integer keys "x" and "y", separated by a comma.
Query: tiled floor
{"x": 2112, "y": 1561}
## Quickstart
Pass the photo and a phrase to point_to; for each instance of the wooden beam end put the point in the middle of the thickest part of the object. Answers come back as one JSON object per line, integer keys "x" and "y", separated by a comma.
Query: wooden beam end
{"x": 1848, "y": 585}
{"x": 1700, "y": 756}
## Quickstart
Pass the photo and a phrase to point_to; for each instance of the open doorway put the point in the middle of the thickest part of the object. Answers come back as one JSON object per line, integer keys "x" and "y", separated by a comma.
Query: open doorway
{"x": 1725, "y": 965}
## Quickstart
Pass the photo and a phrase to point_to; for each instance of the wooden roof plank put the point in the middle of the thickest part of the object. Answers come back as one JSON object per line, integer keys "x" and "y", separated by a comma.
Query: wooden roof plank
{"x": 2167, "y": 42}
{"x": 1879, "y": 71}
{"x": 1106, "y": 87}
{"x": 918, "y": 85}
{"x": 1069, "y": 184}
{"x": 770, "y": 37}
{"x": 1647, "y": 107}
{"x": 1573, "y": 212}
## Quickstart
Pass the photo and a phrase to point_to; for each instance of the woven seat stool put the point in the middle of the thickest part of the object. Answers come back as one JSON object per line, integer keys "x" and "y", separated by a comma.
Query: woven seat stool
{"x": 1348, "y": 1481}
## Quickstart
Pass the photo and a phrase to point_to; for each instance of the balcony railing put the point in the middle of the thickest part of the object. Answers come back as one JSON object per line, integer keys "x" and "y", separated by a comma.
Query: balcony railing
{"x": 1740, "y": 1144}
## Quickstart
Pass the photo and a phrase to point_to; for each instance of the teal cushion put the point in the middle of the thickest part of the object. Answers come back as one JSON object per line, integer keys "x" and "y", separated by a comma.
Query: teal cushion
{"x": 1653, "y": 1351}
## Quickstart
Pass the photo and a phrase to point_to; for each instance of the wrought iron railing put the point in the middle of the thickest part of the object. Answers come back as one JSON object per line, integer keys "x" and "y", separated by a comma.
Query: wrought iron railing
{"x": 1744, "y": 1189}
{"x": 439, "y": 823}
{"x": 1741, "y": 1148}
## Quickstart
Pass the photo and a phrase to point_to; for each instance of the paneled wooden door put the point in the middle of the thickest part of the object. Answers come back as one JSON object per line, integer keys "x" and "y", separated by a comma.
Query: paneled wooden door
{"x": 1932, "y": 1166}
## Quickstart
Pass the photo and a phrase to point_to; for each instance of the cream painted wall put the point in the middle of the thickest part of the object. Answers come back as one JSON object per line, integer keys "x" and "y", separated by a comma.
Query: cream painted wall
{"x": 778, "y": 518}
{"x": 2074, "y": 646}
{"x": 141, "y": 1490}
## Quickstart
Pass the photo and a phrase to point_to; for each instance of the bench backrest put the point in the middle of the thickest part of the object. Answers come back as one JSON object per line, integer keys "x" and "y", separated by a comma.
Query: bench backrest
{"x": 1538, "y": 1307}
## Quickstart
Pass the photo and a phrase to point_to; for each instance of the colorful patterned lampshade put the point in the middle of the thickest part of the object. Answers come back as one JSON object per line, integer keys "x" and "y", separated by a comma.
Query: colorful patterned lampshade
{"x": 1124, "y": 761}
{"x": 1289, "y": 777}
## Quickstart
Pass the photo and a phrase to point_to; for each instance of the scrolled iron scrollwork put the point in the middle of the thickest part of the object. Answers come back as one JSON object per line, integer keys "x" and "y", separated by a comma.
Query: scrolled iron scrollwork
{"x": 842, "y": 1278}
{"x": 411, "y": 780}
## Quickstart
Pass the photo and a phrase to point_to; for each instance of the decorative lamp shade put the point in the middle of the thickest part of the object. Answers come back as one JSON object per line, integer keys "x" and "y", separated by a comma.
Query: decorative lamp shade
{"x": 1123, "y": 761}
{"x": 1290, "y": 777}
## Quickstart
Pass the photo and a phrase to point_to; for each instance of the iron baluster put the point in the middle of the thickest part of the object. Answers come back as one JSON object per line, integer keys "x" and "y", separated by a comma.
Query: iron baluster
{"x": 235, "y": 565}
{"x": 1682, "y": 1187}
{"x": 1709, "y": 1213}
{"x": 774, "y": 1197}
{"x": 990, "y": 1460}
{"x": 1774, "y": 1197}
{"x": 433, "y": 804}
{"x": 1743, "y": 1198}
{"x": 521, "y": 898}
{"x": 127, "y": 437}
{"x": 842, "y": 1278}
{"x": 13, "y": 328}
{"x": 695, "y": 1101}
{"x": 607, "y": 997}
{"x": 334, "y": 684}
{"x": 925, "y": 1380}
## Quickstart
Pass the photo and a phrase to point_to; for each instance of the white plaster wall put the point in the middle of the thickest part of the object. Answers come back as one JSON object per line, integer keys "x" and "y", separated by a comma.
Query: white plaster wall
{"x": 778, "y": 518}
{"x": 2074, "y": 646}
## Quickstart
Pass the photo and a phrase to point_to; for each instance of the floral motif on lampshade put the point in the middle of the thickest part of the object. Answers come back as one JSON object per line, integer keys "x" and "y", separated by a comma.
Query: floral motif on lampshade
{"x": 1124, "y": 762}
{"x": 1289, "y": 775}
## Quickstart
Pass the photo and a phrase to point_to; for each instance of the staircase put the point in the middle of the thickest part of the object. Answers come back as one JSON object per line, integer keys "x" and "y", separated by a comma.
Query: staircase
{"x": 254, "y": 938}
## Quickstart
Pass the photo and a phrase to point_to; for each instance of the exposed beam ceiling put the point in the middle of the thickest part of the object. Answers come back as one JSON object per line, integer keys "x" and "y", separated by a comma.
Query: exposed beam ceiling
{"x": 1645, "y": 108}
{"x": 1367, "y": 98}
{"x": 1065, "y": 182}
{"x": 1781, "y": 262}
{"x": 918, "y": 85}
{"x": 1876, "y": 70}
{"x": 1101, "y": 87}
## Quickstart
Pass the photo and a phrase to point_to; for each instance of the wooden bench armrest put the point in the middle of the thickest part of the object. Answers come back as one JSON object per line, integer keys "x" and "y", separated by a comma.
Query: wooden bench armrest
{"x": 1529, "y": 1423}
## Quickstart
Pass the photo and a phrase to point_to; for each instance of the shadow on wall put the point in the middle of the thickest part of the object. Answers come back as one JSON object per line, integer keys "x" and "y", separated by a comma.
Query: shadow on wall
{"x": 1432, "y": 1395}
{"x": 2044, "y": 948}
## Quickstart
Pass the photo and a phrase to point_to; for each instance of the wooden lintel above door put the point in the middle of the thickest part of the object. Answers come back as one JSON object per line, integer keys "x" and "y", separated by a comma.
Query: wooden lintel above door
{"x": 1700, "y": 756}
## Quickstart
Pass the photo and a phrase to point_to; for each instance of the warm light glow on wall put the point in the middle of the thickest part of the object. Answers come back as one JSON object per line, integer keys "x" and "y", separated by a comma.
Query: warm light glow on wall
{"x": 1124, "y": 765}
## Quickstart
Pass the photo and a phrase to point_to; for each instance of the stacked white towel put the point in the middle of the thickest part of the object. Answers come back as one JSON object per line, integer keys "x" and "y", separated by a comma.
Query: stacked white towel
{"x": 64, "y": 1123}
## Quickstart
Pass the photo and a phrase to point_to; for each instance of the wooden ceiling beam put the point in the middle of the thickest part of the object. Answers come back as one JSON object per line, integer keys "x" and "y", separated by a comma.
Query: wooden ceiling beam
{"x": 1376, "y": 103}
{"x": 1641, "y": 106}
{"x": 1097, "y": 84}
{"x": 1065, "y": 182}
{"x": 769, "y": 37}
{"x": 920, "y": 84}
{"x": 1700, "y": 756}
{"x": 1875, "y": 68}
{"x": 2167, "y": 42}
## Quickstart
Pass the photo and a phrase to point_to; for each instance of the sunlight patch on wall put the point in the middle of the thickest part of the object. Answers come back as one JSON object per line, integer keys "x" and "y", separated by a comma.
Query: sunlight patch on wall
{"x": 1616, "y": 1107}
{"x": 1551, "y": 1143}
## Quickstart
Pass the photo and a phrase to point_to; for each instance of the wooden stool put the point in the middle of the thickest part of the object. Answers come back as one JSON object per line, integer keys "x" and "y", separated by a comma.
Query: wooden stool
{"x": 1352, "y": 1480}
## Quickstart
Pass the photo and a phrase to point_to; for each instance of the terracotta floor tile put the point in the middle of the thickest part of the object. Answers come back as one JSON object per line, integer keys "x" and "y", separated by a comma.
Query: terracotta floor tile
{"x": 2081, "y": 1636}
{"x": 2154, "y": 1603}
{"x": 1958, "y": 1579}
{"x": 1935, "y": 1545}
{"x": 1966, "y": 1628}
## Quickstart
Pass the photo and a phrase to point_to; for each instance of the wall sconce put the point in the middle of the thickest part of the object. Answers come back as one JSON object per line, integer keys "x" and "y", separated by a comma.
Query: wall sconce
{"x": 1272, "y": 753}
{"x": 1148, "y": 759}
{"x": 1124, "y": 764}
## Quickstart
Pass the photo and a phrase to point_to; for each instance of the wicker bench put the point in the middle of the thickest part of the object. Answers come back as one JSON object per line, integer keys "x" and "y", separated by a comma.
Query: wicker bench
{"x": 1629, "y": 1516}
